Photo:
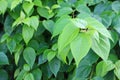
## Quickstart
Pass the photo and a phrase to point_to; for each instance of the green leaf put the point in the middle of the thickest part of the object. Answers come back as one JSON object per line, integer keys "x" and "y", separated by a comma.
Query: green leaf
{"x": 15, "y": 3}
{"x": 3, "y": 6}
{"x": 44, "y": 12}
{"x": 49, "y": 25}
{"x": 18, "y": 53}
{"x": 116, "y": 6}
{"x": 60, "y": 24}
{"x": 21, "y": 75}
{"x": 103, "y": 67}
{"x": 55, "y": 6}
{"x": 83, "y": 9}
{"x": 117, "y": 69}
{"x": 98, "y": 26}
{"x": 80, "y": 47}
{"x": 11, "y": 44}
{"x": 27, "y": 33}
{"x": 26, "y": 67}
{"x": 98, "y": 78}
{"x": 4, "y": 37}
{"x": 64, "y": 11}
{"x": 7, "y": 24}
{"x": 69, "y": 33}
{"x": 83, "y": 70}
{"x": 54, "y": 66}
{"x": 29, "y": 56}
{"x": 37, "y": 73}
{"x": 27, "y": 7}
{"x": 29, "y": 1}
{"x": 51, "y": 55}
{"x": 63, "y": 54}
{"x": 34, "y": 22}
{"x": 3, "y": 59}
{"x": 3, "y": 75}
{"x": 29, "y": 76}
{"x": 38, "y": 3}
{"x": 101, "y": 48}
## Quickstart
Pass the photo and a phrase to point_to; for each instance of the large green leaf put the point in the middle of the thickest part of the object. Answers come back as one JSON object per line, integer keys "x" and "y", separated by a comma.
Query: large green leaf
{"x": 101, "y": 48}
{"x": 63, "y": 54}
{"x": 69, "y": 33}
{"x": 98, "y": 26}
{"x": 60, "y": 24}
{"x": 3, "y": 59}
{"x": 27, "y": 33}
{"x": 80, "y": 47}
{"x": 29, "y": 56}
{"x": 103, "y": 67}
{"x": 54, "y": 66}
{"x": 3, "y": 6}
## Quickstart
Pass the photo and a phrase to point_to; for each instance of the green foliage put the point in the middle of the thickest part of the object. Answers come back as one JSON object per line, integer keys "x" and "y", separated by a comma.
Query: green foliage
{"x": 59, "y": 40}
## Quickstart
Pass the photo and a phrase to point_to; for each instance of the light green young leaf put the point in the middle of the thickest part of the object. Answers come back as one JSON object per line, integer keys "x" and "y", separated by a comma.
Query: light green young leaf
{"x": 29, "y": 1}
{"x": 103, "y": 67}
{"x": 27, "y": 33}
{"x": 3, "y": 59}
{"x": 27, "y": 7}
{"x": 64, "y": 11}
{"x": 15, "y": 3}
{"x": 54, "y": 66}
{"x": 63, "y": 54}
{"x": 98, "y": 26}
{"x": 80, "y": 47}
{"x": 51, "y": 55}
{"x": 29, "y": 56}
{"x": 38, "y": 3}
{"x": 26, "y": 67}
{"x": 60, "y": 24}
{"x": 34, "y": 22}
{"x": 3, "y": 6}
{"x": 101, "y": 48}
{"x": 69, "y": 33}
{"x": 29, "y": 76}
{"x": 4, "y": 37}
{"x": 55, "y": 6}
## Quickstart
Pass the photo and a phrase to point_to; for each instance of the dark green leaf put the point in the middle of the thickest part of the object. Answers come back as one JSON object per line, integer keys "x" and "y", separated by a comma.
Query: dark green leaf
{"x": 3, "y": 75}
{"x": 3, "y": 59}
{"x": 54, "y": 66}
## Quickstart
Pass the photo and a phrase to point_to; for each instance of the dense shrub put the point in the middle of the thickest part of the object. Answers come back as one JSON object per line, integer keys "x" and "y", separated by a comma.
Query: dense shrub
{"x": 59, "y": 40}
